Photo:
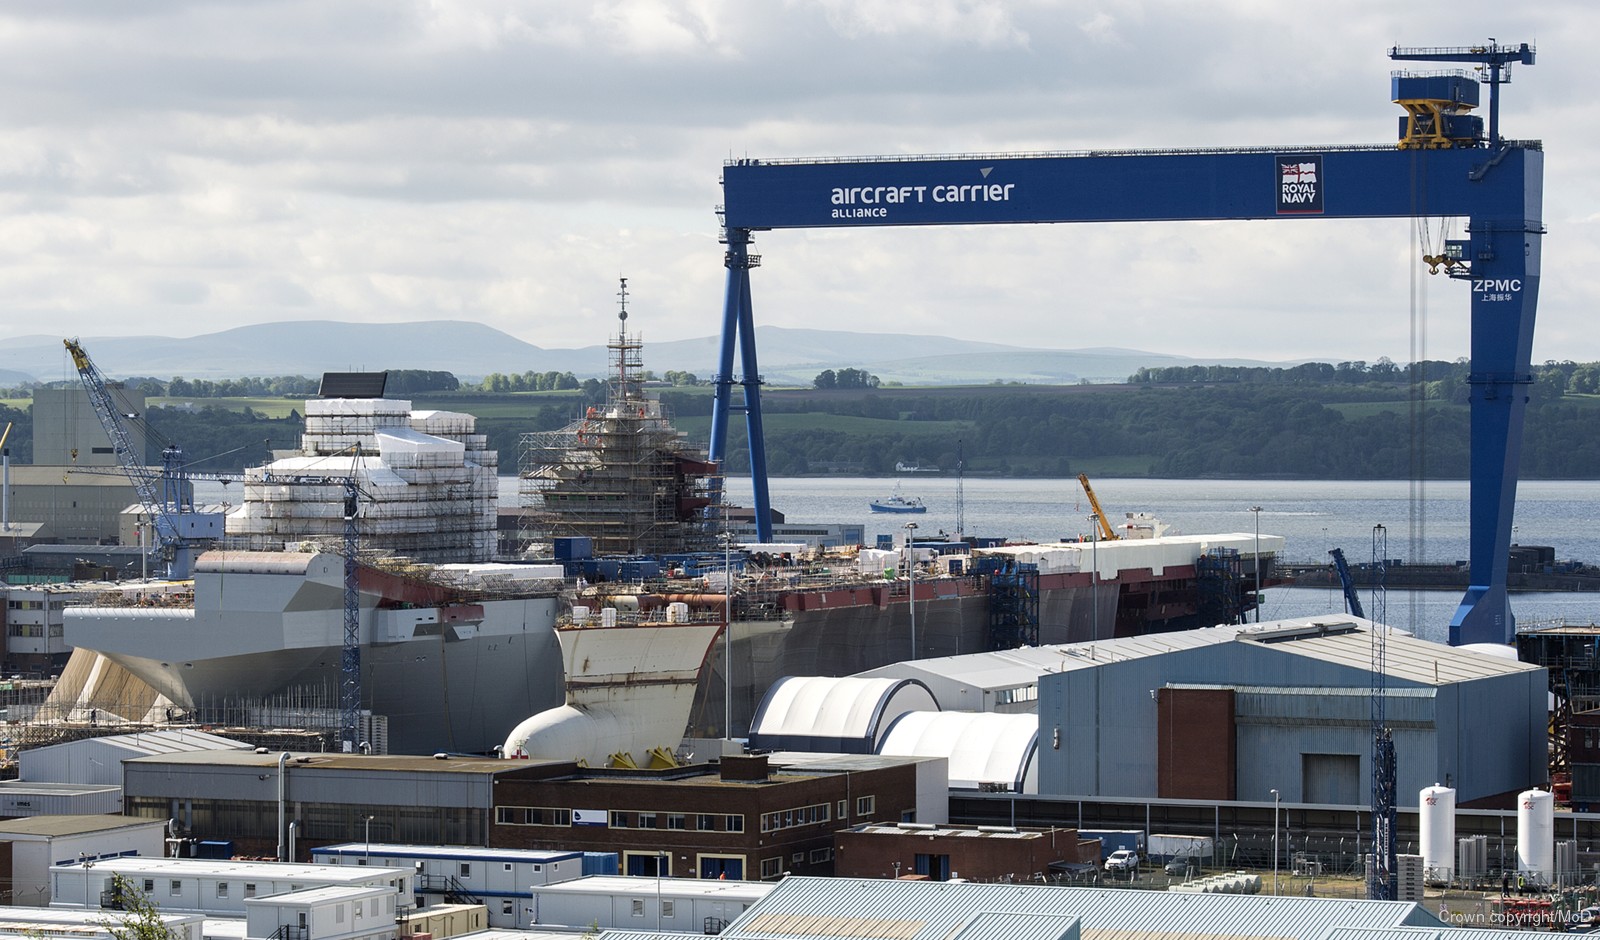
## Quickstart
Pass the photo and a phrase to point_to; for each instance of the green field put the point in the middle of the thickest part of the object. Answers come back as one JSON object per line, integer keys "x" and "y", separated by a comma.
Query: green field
{"x": 699, "y": 428}
{"x": 266, "y": 407}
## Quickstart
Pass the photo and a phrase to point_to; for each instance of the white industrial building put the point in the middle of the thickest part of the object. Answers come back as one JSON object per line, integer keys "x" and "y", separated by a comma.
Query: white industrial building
{"x": 35, "y": 622}
{"x": 98, "y": 761}
{"x": 836, "y": 715}
{"x": 33, "y": 845}
{"x": 332, "y": 912}
{"x": 668, "y": 905}
{"x": 37, "y": 922}
{"x": 215, "y": 887}
{"x": 1005, "y": 681}
{"x": 500, "y": 879}
{"x": 27, "y": 798}
{"x": 986, "y": 751}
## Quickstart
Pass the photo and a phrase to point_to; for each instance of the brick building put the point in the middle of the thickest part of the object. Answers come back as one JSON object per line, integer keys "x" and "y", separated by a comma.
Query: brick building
{"x": 745, "y": 818}
{"x": 939, "y": 853}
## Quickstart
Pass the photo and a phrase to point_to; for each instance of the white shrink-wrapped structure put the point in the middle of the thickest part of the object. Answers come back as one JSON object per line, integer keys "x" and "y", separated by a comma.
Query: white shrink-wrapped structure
{"x": 427, "y": 482}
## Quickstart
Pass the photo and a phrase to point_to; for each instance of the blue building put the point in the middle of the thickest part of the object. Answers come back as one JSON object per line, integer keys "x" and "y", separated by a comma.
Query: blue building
{"x": 1237, "y": 712}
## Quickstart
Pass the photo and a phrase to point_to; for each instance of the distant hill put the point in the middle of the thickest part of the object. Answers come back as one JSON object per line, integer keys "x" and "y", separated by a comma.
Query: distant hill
{"x": 472, "y": 350}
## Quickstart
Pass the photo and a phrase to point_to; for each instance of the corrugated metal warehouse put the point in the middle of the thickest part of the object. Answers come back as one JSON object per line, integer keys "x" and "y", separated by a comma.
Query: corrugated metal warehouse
{"x": 99, "y": 760}
{"x": 825, "y": 908}
{"x": 1233, "y": 713}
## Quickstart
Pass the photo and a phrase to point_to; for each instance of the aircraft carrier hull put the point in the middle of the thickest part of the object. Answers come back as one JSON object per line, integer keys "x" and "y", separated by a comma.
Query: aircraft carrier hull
{"x": 451, "y": 670}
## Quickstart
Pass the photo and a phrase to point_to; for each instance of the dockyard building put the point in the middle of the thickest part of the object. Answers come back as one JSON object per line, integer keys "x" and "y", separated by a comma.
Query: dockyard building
{"x": 942, "y": 853}
{"x": 829, "y": 908}
{"x": 219, "y": 887}
{"x": 81, "y": 924}
{"x": 841, "y": 715}
{"x": 233, "y": 796}
{"x": 986, "y": 752}
{"x": 98, "y": 760}
{"x": 1234, "y": 713}
{"x": 745, "y": 818}
{"x": 28, "y": 847}
{"x": 1002, "y": 681}
{"x": 680, "y": 906}
{"x": 499, "y": 879}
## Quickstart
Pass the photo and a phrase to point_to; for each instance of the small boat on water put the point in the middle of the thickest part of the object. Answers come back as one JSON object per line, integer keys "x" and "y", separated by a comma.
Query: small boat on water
{"x": 898, "y": 503}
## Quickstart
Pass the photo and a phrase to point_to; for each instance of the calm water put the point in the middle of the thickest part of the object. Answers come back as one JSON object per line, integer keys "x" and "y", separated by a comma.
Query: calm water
{"x": 1312, "y": 516}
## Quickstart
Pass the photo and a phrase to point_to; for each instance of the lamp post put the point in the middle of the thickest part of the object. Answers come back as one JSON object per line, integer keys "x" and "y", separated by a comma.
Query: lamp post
{"x": 368, "y": 853}
{"x": 727, "y": 631}
{"x": 283, "y": 765}
{"x": 1275, "y": 800}
{"x": 1094, "y": 572}
{"x": 1257, "y": 511}
{"x": 661, "y": 863}
{"x": 911, "y": 588}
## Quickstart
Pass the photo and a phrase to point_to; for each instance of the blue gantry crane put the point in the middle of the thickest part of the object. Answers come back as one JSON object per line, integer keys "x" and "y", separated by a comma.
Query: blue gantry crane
{"x": 1416, "y": 93}
{"x": 1352, "y": 601}
{"x": 1496, "y": 183}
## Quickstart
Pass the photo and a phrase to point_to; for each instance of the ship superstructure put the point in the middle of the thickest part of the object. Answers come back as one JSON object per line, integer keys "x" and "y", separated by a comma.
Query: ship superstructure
{"x": 621, "y": 475}
{"x": 427, "y": 482}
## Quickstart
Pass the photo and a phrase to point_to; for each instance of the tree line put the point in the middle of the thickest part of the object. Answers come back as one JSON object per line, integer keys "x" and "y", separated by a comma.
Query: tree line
{"x": 1309, "y": 421}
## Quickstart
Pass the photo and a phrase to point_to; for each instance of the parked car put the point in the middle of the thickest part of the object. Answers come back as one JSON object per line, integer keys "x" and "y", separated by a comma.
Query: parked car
{"x": 1179, "y": 867}
{"x": 1123, "y": 860}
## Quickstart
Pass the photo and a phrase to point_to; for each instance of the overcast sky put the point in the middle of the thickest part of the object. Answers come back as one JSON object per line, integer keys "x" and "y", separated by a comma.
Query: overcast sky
{"x": 178, "y": 168}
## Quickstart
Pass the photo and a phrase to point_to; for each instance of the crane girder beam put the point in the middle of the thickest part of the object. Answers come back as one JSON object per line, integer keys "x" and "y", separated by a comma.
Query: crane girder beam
{"x": 178, "y": 530}
{"x": 1499, "y": 190}
{"x": 350, "y": 652}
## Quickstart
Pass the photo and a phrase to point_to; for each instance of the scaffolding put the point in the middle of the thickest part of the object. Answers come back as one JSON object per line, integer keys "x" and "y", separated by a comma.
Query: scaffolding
{"x": 621, "y": 475}
{"x": 1014, "y": 606}
{"x": 428, "y": 482}
{"x": 1219, "y": 576}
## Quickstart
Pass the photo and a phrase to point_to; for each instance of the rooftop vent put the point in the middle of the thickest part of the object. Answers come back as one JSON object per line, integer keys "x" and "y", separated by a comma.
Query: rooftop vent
{"x": 1304, "y": 631}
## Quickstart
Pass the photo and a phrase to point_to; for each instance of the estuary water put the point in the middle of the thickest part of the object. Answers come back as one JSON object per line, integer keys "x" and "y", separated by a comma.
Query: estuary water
{"x": 1421, "y": 523}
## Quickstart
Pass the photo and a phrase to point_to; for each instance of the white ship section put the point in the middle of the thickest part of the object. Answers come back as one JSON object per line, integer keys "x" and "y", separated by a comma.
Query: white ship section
{"x": 630, "y": 688}
{"x": 453, "y": 655}
{"x": 427, "y": 480}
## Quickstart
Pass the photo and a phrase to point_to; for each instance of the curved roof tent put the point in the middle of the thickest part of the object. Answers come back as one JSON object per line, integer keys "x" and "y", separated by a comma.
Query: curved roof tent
{"x": 834, "y": 715}
{"x": 985, "y": 749}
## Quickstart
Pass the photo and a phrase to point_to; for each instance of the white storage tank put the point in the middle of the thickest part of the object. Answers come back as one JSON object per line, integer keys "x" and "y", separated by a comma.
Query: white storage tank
{"x": 580, "y": 614}
{"x": 1436, "y": 818}
{"x": 1536, "y": 832}
{"x": 608, "y": 617}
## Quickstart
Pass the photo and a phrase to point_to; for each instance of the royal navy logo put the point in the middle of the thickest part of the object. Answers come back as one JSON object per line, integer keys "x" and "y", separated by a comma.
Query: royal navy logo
{"x": 1299, "y": 185}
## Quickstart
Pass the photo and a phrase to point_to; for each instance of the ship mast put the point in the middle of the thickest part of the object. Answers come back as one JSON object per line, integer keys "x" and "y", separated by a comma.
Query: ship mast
{"x": 626, "y": 359}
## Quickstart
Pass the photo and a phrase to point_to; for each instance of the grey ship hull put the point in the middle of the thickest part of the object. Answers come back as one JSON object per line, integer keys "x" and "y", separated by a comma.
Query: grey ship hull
{"x": 448, "y": 676}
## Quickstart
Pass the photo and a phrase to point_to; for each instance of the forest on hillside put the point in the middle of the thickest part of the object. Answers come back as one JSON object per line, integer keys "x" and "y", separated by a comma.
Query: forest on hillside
{"x": 1345, "y": 421}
